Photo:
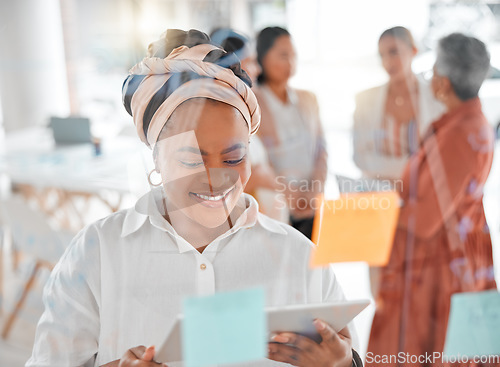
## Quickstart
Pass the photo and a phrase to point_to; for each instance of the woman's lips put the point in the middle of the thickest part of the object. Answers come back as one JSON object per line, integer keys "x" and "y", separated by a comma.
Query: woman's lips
{"x": 212, "y": 200}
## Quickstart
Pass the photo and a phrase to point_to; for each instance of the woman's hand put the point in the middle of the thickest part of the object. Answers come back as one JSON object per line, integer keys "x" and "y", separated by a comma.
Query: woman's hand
{"x": 333, "y": 351}
{"x": 139, "y": 357}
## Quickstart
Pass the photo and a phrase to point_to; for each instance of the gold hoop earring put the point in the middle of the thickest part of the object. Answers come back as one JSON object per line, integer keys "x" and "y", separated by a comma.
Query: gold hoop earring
{"x": 149, "y": 179}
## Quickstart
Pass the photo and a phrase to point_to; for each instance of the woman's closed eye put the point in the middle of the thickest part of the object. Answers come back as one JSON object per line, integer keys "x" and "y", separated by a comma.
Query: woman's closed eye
{"x": 190, "y": 158}
{"x": 235, "y": 162}
{"x": 191, "y": 164}
{"x": 197, "y": 163}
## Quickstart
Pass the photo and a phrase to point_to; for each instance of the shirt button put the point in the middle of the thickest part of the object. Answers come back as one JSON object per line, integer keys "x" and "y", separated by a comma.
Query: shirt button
{"x": 203, "y": 266}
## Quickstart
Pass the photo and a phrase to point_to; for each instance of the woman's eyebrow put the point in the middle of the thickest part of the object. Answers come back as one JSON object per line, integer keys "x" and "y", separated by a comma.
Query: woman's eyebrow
{"x": 202, "y": 152}
{"x": 192, "y": 150}
{"x": 233, "y": 147}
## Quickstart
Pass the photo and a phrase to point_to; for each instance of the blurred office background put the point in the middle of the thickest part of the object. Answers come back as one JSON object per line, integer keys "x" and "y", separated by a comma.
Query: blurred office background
{"x": 69, "y": 57}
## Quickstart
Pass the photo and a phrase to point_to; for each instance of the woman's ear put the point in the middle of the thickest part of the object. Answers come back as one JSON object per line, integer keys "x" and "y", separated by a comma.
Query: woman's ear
{"x": 414, "y": 51}
{"x": 155, "y": 158}
{"x": 448, "y": 88}
{"x": 445, "y": 89}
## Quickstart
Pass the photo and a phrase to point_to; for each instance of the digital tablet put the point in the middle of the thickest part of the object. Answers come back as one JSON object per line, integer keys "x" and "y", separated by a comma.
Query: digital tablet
{"x": 295, "y": 318}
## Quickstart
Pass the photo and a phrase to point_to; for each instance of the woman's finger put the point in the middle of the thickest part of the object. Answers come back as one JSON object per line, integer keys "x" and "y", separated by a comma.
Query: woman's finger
{"x": 137, "y": 352}
{"x": 148, "y": 354}
{"x": 286, "y": 354}
{"x": 301, "y": 342}
{"x": 130, "y": 356}
{"x": 139, "y": 356}
{"x": 326, "y": 331}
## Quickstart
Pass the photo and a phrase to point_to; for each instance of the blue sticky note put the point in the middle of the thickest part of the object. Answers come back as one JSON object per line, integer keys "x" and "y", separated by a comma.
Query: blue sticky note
{"x": 474, "y": 325}
{"x": 224, "y": 328}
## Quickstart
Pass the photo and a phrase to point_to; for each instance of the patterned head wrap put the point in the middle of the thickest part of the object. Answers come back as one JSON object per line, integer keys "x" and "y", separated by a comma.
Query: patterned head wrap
{"x": 155, "y": 87}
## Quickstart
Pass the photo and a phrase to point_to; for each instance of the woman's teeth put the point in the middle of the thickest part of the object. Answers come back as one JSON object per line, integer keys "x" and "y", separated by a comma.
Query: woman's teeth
{"x": 211, "y": 198}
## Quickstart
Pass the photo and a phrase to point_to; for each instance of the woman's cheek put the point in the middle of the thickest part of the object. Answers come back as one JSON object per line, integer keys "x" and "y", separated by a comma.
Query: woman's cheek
{"x": 244, "y": 173}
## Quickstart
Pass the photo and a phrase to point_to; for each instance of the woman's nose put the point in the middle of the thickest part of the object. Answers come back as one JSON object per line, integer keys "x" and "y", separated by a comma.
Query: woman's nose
{"x": 221, "y": 178}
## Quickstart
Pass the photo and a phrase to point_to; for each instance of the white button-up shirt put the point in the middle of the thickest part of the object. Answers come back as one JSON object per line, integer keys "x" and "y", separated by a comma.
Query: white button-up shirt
{"x": 122, "y": 281}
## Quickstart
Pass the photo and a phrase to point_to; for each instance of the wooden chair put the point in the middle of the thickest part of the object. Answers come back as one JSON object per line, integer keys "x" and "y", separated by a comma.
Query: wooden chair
{"x": 33, "y": 236}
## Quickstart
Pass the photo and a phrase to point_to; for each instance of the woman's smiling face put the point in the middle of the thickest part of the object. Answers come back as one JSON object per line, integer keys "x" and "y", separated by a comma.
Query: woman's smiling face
{"x": 202, "y": 157}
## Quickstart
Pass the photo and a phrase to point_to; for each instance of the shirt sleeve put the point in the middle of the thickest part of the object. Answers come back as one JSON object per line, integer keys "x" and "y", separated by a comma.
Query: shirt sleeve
{"x": 323, "y": 280}
{"x": 68, "y": 331}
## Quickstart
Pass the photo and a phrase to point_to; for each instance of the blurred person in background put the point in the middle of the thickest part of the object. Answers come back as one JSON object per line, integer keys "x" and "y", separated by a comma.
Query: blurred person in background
{"x": 291, "y": 128}
{"x": 442, "y": 244}
{"x": 390, "y": 120}
{"x": 262, "y": 184}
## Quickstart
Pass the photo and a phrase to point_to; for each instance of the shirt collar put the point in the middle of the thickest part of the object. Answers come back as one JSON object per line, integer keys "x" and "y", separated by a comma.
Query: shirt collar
{"x": 291, "y": 96}
{"x": 271, "y": 224}
{"x": 251, "y": 216}
{"x": 471, "y": 105}
{"x": 133, "y": 221}
{"x": 147, "y": 207}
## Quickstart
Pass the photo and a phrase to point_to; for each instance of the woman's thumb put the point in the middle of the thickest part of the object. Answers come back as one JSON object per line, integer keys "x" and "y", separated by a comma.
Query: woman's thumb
{"x": 149, "y": 354}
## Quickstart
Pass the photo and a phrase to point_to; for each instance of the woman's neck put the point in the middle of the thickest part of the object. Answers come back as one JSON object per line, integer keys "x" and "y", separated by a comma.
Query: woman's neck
{"x": 279, "y": 89}
{"x": 195, "y": 233}
{"x": 452, "y": 102}
{"x": 407, "y": 83}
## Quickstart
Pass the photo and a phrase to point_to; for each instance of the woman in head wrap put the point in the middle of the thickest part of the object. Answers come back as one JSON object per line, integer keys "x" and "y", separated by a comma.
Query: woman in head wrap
{"x": 442, "y": 244}
{"x": 121, "y": 283}
{"x": 291, "y": 128}
{"x": 390, "y": 119}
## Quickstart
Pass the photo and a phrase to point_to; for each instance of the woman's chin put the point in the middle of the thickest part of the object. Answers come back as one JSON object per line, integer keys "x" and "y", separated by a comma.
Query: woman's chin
{"x": 211, "y": 218}
{"x": 211, "y": 213}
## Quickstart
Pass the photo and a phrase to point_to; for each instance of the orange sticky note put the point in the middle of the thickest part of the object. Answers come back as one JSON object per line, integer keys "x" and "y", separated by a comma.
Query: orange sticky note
{"x": 356, "y": 227}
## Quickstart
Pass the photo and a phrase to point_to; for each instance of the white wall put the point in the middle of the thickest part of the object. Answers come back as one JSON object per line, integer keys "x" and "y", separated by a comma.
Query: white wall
{"x": 337, "y": 47}
{"x": 33, "y": 83}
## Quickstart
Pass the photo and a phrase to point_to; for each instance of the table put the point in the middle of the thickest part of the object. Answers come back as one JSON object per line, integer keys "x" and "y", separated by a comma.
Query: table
{"x": 56, "y": 177}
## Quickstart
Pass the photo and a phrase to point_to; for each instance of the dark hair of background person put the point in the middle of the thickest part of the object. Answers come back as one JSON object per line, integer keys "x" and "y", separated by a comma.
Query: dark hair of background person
{"x": 232, "y": 44}
{"x": 228, "y": 39}
{"x": 400, "y": 33}
{"x": 265, "y": 41}
{"x": 232, "y": 41}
